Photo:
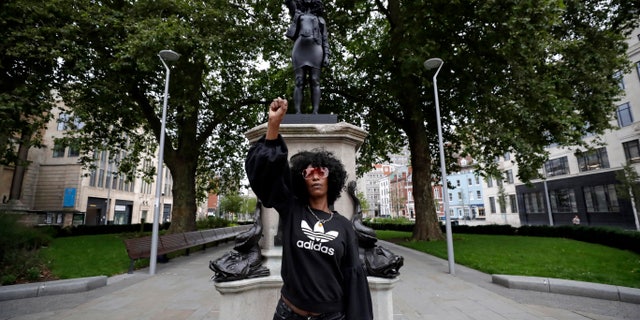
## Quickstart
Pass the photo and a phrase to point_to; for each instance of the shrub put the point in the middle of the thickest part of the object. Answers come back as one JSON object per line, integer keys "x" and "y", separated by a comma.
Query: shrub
{"x": 20, "y": 259}
{"x": 212, "y": 223}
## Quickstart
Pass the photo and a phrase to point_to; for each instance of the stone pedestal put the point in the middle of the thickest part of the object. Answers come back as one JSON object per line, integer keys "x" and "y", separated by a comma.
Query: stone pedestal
{"x": 257, "y": 298}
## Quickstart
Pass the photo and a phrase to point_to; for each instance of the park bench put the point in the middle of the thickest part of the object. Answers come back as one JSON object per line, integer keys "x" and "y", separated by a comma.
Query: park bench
{"x": 139, "y": 248}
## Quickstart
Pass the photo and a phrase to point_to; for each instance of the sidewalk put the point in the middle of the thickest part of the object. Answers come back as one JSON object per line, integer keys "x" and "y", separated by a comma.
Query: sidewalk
{"x": 182, "y": 289}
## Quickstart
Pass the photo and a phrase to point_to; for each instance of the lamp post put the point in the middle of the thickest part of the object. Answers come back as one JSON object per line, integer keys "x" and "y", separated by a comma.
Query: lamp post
{"x": 165, "y": 55}
{"x": 434, "y": 63}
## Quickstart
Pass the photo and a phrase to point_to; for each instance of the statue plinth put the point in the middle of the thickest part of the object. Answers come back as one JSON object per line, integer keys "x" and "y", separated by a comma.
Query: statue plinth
{"x": 300, "y": 118}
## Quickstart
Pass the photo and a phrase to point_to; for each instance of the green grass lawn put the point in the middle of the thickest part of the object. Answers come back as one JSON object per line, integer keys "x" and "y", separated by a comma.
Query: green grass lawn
{"x": 86, "y": 256}
{"x": 533, "y": 256}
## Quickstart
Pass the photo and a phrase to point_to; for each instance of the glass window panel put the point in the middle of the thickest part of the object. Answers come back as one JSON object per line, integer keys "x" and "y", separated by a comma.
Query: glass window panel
{"x": 625, "y": 117}
{"x": 563, "y": 201}
{"x": 632, "y": 151}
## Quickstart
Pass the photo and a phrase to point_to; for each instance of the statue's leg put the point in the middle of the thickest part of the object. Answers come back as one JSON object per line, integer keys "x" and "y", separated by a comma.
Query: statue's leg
{"x": 314, "y": 87}
{"x": 298, "y": 93}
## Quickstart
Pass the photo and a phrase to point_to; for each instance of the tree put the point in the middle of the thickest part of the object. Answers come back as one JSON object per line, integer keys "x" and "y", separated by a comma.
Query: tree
{"x": 364, "y": 204}
{"x": 29, "y": 36}
{"x": 232, "y": 203}
{"x": 517, "y": 77}
{"x": 629, "y": 188}
{"x": 114, "y": 81}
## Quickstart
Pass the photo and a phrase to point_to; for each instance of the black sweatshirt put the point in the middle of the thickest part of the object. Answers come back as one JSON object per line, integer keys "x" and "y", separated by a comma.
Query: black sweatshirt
{"x": 321, "y": 270}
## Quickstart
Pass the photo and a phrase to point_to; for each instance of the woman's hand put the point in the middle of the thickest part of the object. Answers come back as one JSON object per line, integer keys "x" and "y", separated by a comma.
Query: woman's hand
{"x": 277, "y": 110}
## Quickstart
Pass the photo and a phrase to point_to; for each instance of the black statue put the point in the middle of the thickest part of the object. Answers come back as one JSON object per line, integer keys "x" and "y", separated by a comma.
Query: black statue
{"x": 246, "y": 261}
{"x": 376, "y": 260}
{"x": 310, "y": 52}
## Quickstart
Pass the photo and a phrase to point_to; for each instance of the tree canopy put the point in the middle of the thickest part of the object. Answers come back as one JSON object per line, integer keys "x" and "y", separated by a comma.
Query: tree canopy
{"x": 517, "y": 76}
{"x": 114, "y": 84}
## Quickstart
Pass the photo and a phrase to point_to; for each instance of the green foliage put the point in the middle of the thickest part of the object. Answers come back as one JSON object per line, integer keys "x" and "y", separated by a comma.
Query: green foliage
{"x": 534, "y": 256}
{"x": 212, "y": 223}
{"x": 400, "y": 224}
{"x": 113, "y": 82}
{"x": 510, "y": 69}
{"x": 629, "y": 186}
{"x": 29, "y": 33}
{"x": 612, "y": 237}
{"x": 19, "y": 256}
{"x": 81, "y": 230}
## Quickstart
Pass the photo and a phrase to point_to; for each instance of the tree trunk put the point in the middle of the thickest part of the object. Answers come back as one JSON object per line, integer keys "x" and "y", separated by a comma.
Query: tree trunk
{"x": 183, "y": 213}
{"x": 427, "y": 226}
{"x": 20, "y": 166}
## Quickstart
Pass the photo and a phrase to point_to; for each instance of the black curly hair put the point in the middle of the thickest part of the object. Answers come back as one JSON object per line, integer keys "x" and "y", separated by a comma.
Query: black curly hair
{"x": 317, "y": 158}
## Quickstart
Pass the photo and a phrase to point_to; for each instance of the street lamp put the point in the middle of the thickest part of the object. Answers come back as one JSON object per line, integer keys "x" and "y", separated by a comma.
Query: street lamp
{"x": 434, "y": 63}
{"x": 165, "y": 55}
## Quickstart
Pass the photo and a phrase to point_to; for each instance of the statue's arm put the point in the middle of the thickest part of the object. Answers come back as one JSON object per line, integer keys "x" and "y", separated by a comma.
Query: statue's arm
{"x": 325, "y": 42}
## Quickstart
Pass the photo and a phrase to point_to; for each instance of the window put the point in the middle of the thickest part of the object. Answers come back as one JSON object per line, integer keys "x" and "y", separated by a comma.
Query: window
{"x": 470, "y": 181}
{"x": 556, "y": 167}
{"x": 509, "y": 176}
{"x": 638, "y": 64}
{"x": 492, "y": 204}
{"x": 625, "y": 117}
{"x": 620, "y": 77}
{"x": 563, "y": 201}
{"x": 101, "y": 178}
{"x": 63, "y": 118}
{"x": 458, "y": 183}
{"x": 514, "y": 203}
{"x": 450, "y": 196}
{"x": 489, "y": 182}
{"x": 601, "y": 198}
{"x": 478, "y": 195}
{"x": 593, "y": 160}
{"x": 477, "y": 180}
{"x": 74, "y": 151}
{"x": 58, "y": 150}
{"x": 92, "y": 178}
{"x": 460, "y": 196}
{"x": 631, "y": 151}
{"x": 533, "y": 202}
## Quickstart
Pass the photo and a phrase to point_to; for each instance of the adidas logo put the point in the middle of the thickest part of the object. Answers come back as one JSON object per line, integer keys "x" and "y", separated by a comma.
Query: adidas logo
{"x": 317, "y": 236}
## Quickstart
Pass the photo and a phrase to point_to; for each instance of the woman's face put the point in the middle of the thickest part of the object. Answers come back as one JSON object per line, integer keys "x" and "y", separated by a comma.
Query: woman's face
{"x": 317, "y": 181}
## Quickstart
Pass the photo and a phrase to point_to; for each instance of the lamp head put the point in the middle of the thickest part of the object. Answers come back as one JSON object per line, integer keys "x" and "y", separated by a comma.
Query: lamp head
{"x": 169, "y": 55}
{"x": 433, "y": 63}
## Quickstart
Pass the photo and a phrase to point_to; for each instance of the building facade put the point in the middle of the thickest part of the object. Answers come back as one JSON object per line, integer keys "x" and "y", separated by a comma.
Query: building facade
{"x": 579, "y": 181}
{"x": 56, "y": 188}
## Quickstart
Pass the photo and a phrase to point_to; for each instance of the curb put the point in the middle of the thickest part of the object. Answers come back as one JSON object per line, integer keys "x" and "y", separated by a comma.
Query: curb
{"x": 569, "y": 287}
{"x": 48, "y": 288}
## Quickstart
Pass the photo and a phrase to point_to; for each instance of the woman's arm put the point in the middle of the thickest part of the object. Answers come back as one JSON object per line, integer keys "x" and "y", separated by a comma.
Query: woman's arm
{"x": 267, "y": 163}
{"x": 277, "y": 110}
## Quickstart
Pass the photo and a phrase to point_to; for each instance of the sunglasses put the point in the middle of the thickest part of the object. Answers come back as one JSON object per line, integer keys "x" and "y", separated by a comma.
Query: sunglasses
{"x": 322, "y": 172}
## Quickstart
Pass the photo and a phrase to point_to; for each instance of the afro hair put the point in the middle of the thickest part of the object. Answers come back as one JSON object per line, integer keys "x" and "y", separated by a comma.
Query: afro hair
{"x": 318, "y": 158}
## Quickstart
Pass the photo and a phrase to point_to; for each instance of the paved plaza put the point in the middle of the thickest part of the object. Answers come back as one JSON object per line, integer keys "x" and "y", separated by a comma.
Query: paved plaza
{"x": 182, "y": 289}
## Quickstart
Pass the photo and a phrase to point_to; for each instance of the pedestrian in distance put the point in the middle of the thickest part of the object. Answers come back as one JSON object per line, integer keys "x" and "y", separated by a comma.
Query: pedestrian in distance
{"x": 575, "y": 220}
